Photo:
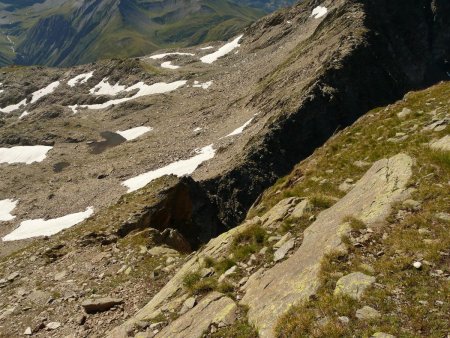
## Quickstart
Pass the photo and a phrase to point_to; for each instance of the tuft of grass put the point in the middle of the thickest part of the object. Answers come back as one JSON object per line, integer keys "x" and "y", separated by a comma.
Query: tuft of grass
{"x": 322, "y": 201}
{"x": 248, "y": 242}
{"x": 355, "y": 224}
{"x": 197, "y": 285}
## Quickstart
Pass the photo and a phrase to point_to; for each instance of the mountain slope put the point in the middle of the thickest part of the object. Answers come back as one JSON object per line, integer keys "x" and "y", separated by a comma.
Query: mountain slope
{"x": 80, "y": 32}
{"x": 235, "y": 117}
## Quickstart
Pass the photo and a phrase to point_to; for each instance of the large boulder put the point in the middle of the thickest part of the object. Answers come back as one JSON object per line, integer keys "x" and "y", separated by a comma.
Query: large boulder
{"x": 214, "y": 309}
{"x": 353, "y": 285}
{"x": 270, "y": 294}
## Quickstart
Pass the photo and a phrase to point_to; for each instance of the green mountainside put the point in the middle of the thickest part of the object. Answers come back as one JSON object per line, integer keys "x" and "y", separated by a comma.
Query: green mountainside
{"x": 66, "y": 32}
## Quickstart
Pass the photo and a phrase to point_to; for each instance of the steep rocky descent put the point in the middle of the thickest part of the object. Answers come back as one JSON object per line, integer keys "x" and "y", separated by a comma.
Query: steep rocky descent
{"x": 368, "y": 274}
{"x": 294, "y": 80}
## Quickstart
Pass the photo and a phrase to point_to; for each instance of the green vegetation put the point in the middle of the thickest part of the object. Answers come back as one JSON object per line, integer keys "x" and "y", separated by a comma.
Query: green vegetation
{"x": 248, "y": 242}
{"x": 412, "y": 302}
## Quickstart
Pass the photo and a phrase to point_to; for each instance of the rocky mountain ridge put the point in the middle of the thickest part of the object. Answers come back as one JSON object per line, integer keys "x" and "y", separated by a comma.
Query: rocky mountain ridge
{"x": 236, "y": 117}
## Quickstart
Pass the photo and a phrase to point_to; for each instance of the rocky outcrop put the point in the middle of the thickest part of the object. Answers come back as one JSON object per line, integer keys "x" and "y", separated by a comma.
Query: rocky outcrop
{"x": 269, "y": 296}
{"x": 214, "y": 309}
{"x": 354, "y": 47}
{"x": 173, "y": 292}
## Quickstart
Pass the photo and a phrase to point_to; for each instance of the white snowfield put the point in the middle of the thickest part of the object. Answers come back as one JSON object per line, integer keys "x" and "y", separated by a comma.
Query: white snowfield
{"x": 204, "y": 85}
{"x": 24, "y": 154}
{"x": 162, "y": 56}
{"x": 241, "y": 129}
{"x": 143, "y": 90}
{"x": 105, "y": 88}
{"x": 80, "y": 79}
{"x": 6, "y": 207}
{"x": 222, "y": 51}
{"x": 134, "y": 133}
{"x": 169, "y": 65}
{"x": 319, "y": 12}
{"x": 41, "y": 227}
{"x": 179, "y": 168}
{"x": 36, "y": 96}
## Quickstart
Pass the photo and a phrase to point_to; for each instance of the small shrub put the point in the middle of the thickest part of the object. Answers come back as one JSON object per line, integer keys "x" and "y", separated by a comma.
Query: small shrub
{"x": 223, "y": 265}
{"x": 190, "y": 279}
{"x": 355, "y": 224}
{"x": 322, "y": 201}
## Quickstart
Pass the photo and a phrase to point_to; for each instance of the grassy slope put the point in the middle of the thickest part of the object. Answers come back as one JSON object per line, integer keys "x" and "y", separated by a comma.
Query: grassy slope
{"x": 408, "y": 299}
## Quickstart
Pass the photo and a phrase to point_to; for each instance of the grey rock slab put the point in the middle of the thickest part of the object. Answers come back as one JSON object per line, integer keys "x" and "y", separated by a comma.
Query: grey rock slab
{"x": 279, "y": 211}
{"x": 367, "y": 313}
{"x": 382, "y": 335}
{"x": 353, "y": 285}
{"x": 188, "y": 304}
{"x": 442, "y": 144}
{"x": 100, "y": 304}
{"x": 301, "y": 208}
{"x": 215, "y": 308}
{"x": 269, "y": 296}
{"x": 283, "y": 250}
{"x": 282, "y": 240}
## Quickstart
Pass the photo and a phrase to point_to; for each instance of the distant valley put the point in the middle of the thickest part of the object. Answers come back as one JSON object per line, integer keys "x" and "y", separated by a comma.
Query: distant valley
{"x": 71, "y": 32}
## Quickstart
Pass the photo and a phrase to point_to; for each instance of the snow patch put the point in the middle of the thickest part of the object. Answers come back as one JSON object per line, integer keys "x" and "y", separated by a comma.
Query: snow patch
{"x": 6, "y": 207}
{"x": 206, "y": 48}
{"x": 319, "y": 12}
{"x": 134, "y": 133}
{"x": 197, "y": 129}
{"x": 41, "y": 227}
{"x": 222, "y": 51}
{"x": 105, "y": 88}
{"x": 179, "y": 168}
{"x": 241, "y": 129}
{"x": 162, "y": 56}
{"x": 80, "y": 79}
{"x": 169, "y": 65}
{"x": 143, "y": 90}
{"x": 204, "y": 85}
{"x": 25, "y": 113}
{"x": 14, "y": 107}
{"x": 37, "y": 95}
{"x": 24, "y": 154}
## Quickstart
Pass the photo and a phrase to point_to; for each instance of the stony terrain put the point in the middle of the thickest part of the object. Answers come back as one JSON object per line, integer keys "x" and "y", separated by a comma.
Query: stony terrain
{"x": 321, "y": 251}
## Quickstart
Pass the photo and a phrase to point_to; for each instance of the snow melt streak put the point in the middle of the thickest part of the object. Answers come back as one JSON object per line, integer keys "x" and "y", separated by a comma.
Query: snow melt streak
{"x": 162, "y": 56}
{"x": 179, "y": 168}
{"x": 240, "y": 129}
{"x": 6, "y": 207}
{"x": 134, "y": 133}
{"x": 224, "y": 50}
{"x": 41, "y": 227}
{"x": 23, "y": 154}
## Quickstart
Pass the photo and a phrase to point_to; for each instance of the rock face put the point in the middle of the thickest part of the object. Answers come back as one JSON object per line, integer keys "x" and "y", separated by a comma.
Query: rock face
{"x": 215, "y": 309}
{"x": 353, "y": 285}
{"x": 269, "y": 296}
